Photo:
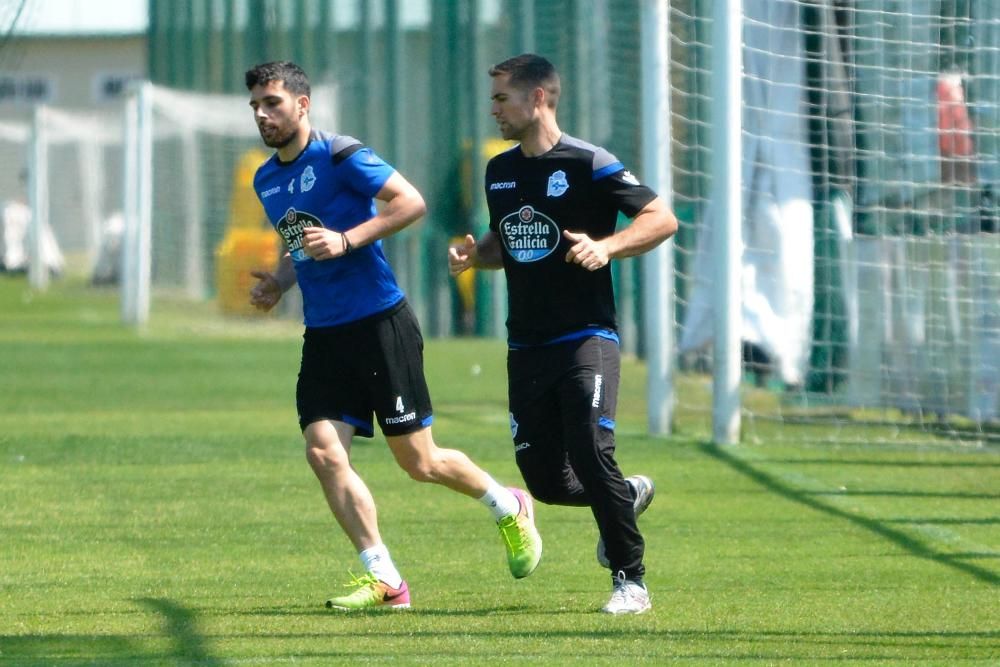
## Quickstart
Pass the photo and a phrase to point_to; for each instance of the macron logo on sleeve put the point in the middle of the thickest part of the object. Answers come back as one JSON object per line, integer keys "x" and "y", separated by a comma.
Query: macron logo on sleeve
{"x": 503, "y": 185}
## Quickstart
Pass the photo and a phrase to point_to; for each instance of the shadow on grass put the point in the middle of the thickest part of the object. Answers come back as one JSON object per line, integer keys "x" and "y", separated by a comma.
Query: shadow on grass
{"x": 876, "y": 493}
{"x": 883, "y": 463}
{"x": 187, "y": 644}
{"x": 711, "y": 645}
{"x": 914, "y": 546}
{"x": 988, "y": 433}
{"x": 179, "y": 625}
{"x": 317, "y": 610}
{"x": 989, "y": 521}
{"x": 68, "y": 649}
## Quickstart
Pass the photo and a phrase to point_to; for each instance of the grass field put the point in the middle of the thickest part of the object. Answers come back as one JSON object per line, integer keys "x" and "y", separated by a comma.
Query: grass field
{"x": 156, "y": 509}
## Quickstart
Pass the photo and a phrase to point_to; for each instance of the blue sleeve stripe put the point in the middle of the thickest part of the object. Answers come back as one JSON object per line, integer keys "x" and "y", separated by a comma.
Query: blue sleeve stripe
{"x": 612, "y": 168}
{"x": 604, "y": 422}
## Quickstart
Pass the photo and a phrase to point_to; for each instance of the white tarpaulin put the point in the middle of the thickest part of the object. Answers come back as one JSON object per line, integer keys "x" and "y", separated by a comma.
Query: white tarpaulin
{"x": 15, "y": 240}
{"x": 927, "y": 309}
{"x": 777, "y": 274}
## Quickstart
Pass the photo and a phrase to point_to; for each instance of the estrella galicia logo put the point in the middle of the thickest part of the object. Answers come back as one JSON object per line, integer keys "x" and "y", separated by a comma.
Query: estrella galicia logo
{"x": 308, "y": 179}
{"x": 292, "y": 226}
{"x": 529, "y": 235}
{"x": 558, "y": 184}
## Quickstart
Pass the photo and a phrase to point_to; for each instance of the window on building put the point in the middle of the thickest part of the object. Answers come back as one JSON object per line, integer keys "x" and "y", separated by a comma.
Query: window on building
{"x": 26, "y": 89}
{"x": 110, "y": 86}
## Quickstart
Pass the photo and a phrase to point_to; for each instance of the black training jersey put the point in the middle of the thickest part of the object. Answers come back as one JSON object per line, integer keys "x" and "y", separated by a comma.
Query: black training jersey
{"x": 577, "y": 187}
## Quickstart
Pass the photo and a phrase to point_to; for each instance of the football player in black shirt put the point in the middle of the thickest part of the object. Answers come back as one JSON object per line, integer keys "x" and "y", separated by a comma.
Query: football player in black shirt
{"x": 554, "y": 202}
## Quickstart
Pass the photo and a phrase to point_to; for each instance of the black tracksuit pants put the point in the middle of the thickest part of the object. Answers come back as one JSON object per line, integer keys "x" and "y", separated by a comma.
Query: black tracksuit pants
{"x": 562, "y": 400}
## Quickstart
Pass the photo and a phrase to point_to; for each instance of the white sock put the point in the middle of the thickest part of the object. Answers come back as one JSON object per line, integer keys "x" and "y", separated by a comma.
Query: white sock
{"x": 377, "y": 560}
{"x": 500, "y": 500}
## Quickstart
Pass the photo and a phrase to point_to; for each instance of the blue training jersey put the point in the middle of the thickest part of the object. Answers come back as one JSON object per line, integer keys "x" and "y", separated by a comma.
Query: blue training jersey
{"x": 332, "y": 183}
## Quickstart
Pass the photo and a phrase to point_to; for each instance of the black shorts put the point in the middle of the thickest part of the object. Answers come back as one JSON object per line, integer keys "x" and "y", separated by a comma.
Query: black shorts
{"x": 375, "y": 365}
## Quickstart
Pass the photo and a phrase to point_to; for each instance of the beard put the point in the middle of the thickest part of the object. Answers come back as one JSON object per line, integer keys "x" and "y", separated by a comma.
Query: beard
{"x": 278, "y": 137}
{"x": 512, "y": 131}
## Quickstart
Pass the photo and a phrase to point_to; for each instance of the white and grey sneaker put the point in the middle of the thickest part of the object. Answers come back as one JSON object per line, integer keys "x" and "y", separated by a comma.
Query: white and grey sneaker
{"x": 644, "y": 490}
{"x": 629, "y": 597}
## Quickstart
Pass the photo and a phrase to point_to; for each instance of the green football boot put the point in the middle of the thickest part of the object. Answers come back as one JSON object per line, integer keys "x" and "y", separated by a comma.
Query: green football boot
{"x": 371, "y": 593}
{"x": 521, "y": 538}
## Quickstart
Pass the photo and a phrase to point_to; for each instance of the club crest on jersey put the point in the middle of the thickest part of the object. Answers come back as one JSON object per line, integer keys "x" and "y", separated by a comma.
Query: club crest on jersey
{"x": 629, "y": 178}
{"x": 558, "y": 184}
{"x": 292, "y": 227}
{"x": 308, "y": 179}
{"x": 528, "y": 235}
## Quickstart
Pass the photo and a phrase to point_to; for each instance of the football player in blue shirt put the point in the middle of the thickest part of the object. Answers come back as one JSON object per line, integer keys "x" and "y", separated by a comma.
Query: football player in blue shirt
{"x": 554, "y": 202}
{"x": 362, "y": 352}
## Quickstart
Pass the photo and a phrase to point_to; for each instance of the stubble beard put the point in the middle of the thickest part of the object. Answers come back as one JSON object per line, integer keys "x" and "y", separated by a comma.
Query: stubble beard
{"x": 279, "y": 139}
{"x": 508, "y": 132}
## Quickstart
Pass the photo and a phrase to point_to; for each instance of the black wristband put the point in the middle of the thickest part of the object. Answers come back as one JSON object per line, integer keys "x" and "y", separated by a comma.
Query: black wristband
{"x": 348, "y": 247}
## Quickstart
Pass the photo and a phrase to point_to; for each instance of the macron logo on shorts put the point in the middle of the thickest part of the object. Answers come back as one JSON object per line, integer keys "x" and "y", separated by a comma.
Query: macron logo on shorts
{"x": 401, "y": 419}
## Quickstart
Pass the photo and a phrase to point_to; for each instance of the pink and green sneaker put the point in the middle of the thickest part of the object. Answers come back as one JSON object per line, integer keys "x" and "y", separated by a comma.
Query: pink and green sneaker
{"x": 371, "y": 593}
{"x": 521, "y": 538}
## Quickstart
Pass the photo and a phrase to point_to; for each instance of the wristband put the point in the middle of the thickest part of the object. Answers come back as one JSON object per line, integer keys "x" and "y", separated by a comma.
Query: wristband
{"x": 348, "y": 247}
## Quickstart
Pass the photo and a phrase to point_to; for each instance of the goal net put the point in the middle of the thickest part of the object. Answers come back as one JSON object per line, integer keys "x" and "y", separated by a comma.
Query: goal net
{"x": 206, "y": 230}
{"x": 871, "y": 230}
{"x": 80, "y": 182}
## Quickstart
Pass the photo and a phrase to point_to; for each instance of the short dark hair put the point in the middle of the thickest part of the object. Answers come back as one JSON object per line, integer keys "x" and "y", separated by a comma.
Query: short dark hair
{"x": 529, "y": 71}
{"x": 295, "y": 80}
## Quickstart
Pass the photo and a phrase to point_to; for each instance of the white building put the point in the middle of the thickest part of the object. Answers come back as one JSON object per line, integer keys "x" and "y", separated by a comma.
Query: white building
{"x": 69, "y": 55}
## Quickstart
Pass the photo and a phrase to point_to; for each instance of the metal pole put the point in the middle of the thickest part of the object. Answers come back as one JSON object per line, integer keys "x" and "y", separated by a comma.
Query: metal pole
{"x": 727, "y": 154}
{"x": 92, "y": 181}
{"x": 580, "y": 70}
{"x": 366, "y": 58}
{"x": 393, "y": 80}
{"x": 194, "y": 222}
{"x": 525, "y": 37}
{"x": 38, "y": 196}
{"x": 657, "y": 264}
{"x": 138, "y": 208}
{"x": 130, "y": 208}
{"x": 478, "y": 113}
{"x": 145, "y": 178}
{"x": 441, "y": 221}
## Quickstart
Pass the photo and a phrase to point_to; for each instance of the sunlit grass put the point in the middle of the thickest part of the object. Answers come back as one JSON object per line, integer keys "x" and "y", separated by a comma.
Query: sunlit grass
{"x": 156, "y": 509}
